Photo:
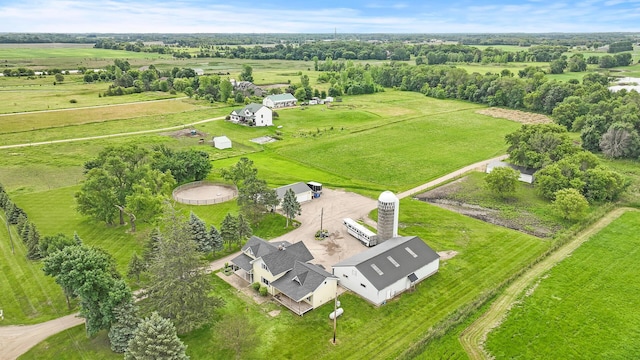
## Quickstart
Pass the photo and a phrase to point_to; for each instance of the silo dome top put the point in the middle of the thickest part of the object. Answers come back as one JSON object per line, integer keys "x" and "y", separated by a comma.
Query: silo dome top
{"x": 387, "y": 197}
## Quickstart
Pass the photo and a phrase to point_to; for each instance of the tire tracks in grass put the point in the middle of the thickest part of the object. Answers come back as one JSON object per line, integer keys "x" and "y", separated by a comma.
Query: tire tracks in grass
{"x": 140, "y": 132}
{"x": 473, "y": 337}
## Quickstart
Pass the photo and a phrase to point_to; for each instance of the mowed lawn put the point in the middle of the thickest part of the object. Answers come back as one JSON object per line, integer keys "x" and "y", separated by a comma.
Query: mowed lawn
{"x": 55, "y": 212}
{"x": 50, "y": 119}
{"x": 27, "y": 296}
{"x": 585, "y": 307}
{"x": 487, "y": 256}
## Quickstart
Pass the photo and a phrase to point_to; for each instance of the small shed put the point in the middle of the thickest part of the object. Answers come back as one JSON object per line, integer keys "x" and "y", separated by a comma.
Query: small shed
{"x": 222, "y": 142}
{"x": 526, "y": 174}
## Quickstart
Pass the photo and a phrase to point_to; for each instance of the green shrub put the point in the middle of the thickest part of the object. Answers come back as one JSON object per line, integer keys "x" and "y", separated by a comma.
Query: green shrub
{"x": 256, "y": 286}
{"x": 73, "y": 101}
{"x": 263, "y": 290}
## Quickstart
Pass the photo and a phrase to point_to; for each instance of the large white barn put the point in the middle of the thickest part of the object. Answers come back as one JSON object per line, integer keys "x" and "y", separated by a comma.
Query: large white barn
{"x": 386, "y": 270}
{"x": 279, "y": 101}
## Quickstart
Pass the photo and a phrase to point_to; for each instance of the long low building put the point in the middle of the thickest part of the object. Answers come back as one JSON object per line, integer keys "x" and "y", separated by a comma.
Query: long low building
{"x": 303, "y": 192}
{"x": 388, "y": 269}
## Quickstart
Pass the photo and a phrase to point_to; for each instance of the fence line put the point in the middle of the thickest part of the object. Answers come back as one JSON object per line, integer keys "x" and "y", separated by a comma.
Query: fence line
{"x": 195, "y": 184}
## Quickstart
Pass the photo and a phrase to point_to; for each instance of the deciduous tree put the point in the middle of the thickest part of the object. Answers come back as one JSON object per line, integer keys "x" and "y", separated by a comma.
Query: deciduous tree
{"x": 502, "y": 180}
{"x": 570, "y": 204}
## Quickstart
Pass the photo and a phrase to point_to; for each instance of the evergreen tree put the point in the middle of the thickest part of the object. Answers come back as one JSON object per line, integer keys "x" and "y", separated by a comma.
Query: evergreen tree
{"x": 216, "y": 239}
{"x": 199, "y": 233}
{"x": 136, "y": 267}
{"x": 151, "y": 246}
{"x": 126, "y": 322}
{"x": 155, "y": 338}
{"x": 33, "y": 242}
{"x": 179, "y": 287}
{"x": 244, "y": 228}
{"x": 76, "y": 238}
{"x": 229, "y": 230}
{"x": 290, "y": 205}
{"x": 24, "y": 231}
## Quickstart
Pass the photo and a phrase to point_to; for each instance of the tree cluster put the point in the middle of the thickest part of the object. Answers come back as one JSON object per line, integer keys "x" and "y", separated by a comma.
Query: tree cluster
{"x": 26, "y": 229}
{"x": 90, "y": 274}
{"x": 562, "y": 165}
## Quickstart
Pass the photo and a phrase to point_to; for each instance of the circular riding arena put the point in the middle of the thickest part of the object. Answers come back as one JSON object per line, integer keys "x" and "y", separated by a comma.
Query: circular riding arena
{"x": 204, "y": 193}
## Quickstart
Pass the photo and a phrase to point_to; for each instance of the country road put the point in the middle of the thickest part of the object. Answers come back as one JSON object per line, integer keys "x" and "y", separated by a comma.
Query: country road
{"x": 13, "y": 344}
{"x": 473, "y": 337}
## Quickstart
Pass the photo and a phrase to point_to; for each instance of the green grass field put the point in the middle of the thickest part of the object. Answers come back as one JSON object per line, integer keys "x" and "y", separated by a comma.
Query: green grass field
{"x": 585, "y": 307}
{"x": 487, "y": 256}
{"x": 27, "y": 296}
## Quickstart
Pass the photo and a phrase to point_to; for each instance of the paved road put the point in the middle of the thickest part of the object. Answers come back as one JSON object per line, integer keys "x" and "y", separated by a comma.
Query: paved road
{"x": 334, "y": 205}
{"x": 473, "y": 337}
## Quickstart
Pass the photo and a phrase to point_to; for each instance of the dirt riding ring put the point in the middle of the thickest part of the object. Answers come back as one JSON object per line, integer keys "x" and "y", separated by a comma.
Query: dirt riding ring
{"x": 204, "y": 193}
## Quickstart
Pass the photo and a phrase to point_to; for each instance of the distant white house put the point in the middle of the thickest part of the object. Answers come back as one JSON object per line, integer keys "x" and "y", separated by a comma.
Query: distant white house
{"x": 279, "y": 101}
{"x": 253, "y": 115}
{"x": 386, "y": 270}
{"x": 303, "y": 192}
{"x": 526, "y": 174}
{"x": 222, "y": 142}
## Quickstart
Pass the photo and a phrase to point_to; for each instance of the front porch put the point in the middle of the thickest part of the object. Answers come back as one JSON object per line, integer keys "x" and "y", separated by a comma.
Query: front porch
{"x": 299, "y": 308}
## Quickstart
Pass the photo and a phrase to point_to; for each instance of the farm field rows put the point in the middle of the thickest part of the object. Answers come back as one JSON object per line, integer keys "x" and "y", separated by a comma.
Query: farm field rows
{"x": 584, "y": 307}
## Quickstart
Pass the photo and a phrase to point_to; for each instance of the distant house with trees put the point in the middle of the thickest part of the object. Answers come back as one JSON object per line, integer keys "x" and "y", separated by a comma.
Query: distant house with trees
{"x": 279, "y": 101}
{"x": 253, "y": 115}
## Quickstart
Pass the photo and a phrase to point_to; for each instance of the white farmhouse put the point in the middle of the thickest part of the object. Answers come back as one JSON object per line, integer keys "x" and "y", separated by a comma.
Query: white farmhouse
{"x": 222, "y": 142}
{"x": 279, "y": 101}
{"x": 253, "y": 115}
{"x": 386, "y": 270}
{"x": 285, "y": 270}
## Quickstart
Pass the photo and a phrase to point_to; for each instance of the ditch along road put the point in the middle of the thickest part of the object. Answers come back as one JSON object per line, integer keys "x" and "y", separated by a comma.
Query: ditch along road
{"x": 16, "y": 340}
{"x": 474, "y": 336}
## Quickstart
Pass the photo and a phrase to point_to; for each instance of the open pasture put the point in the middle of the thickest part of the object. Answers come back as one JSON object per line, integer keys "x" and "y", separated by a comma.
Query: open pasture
{"x": 22, "y": 94}
{"x": 410, "y": 151}
{"x": 69, "y": 58}
{"x": 585, "y": 307}
{"x": 50, "y": 119}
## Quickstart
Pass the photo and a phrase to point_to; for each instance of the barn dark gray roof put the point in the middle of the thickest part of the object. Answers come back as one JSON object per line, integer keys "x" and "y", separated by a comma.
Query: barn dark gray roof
{"x": 303, "y": 280}
{"x": 392, "y": 260}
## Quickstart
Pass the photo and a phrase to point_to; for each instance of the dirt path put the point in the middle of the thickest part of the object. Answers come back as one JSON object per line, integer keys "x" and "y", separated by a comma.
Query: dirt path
{"x": 16, "y": 340}
{"x": 473, "y": 337}
{"x": 111, "y": 135}
{"x": 453, "y": 175}
{"x": 89, "y": 107}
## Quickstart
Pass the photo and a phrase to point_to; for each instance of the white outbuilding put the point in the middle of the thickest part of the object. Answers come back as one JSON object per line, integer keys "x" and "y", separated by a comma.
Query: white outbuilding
{"x": 222, "y": 142}
{"x": 388, "y": 269}
{"x": 279, "y": 101}
{"x": 303, "y": 192}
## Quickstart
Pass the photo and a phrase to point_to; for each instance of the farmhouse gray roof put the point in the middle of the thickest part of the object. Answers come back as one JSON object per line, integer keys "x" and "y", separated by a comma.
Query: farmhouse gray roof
{"x": 260, "y": 247}
{"x": 298, "y": 188}
{"x": 303, "y": 280}
{"x": 282, "y": 97}
{"x": 285, "y": 257}
{"x": 392, "y": 260}
{"x": 243, "y": 261}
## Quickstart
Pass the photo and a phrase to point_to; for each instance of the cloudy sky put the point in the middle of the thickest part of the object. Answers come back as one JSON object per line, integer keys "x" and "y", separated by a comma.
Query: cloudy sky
{"x": 241, "y": 16}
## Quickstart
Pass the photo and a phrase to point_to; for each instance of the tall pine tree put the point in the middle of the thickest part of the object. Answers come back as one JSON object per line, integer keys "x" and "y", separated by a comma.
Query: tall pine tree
{"x": 156, "y": 338}
{"x": 216, "y": 239}
{"x": 199, "y": 233}
{"x": 229, "y": 230}
{"x": 126, "y": 322}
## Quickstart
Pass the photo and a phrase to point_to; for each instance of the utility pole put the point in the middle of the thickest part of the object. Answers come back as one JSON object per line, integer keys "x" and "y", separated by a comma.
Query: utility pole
{"x": 335, "y": 315}
{"x": 321, "y": 216}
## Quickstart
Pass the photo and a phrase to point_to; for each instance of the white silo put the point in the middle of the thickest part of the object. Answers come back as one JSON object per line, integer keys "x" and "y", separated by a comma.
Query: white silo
{"x": 388, "y": 209}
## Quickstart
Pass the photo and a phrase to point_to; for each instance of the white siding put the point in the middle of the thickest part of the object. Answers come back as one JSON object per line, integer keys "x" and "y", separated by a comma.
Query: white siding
{"x": 305, "y": 196}
{"x": 354, "y": 281}
{"x": 264, "y": 117}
